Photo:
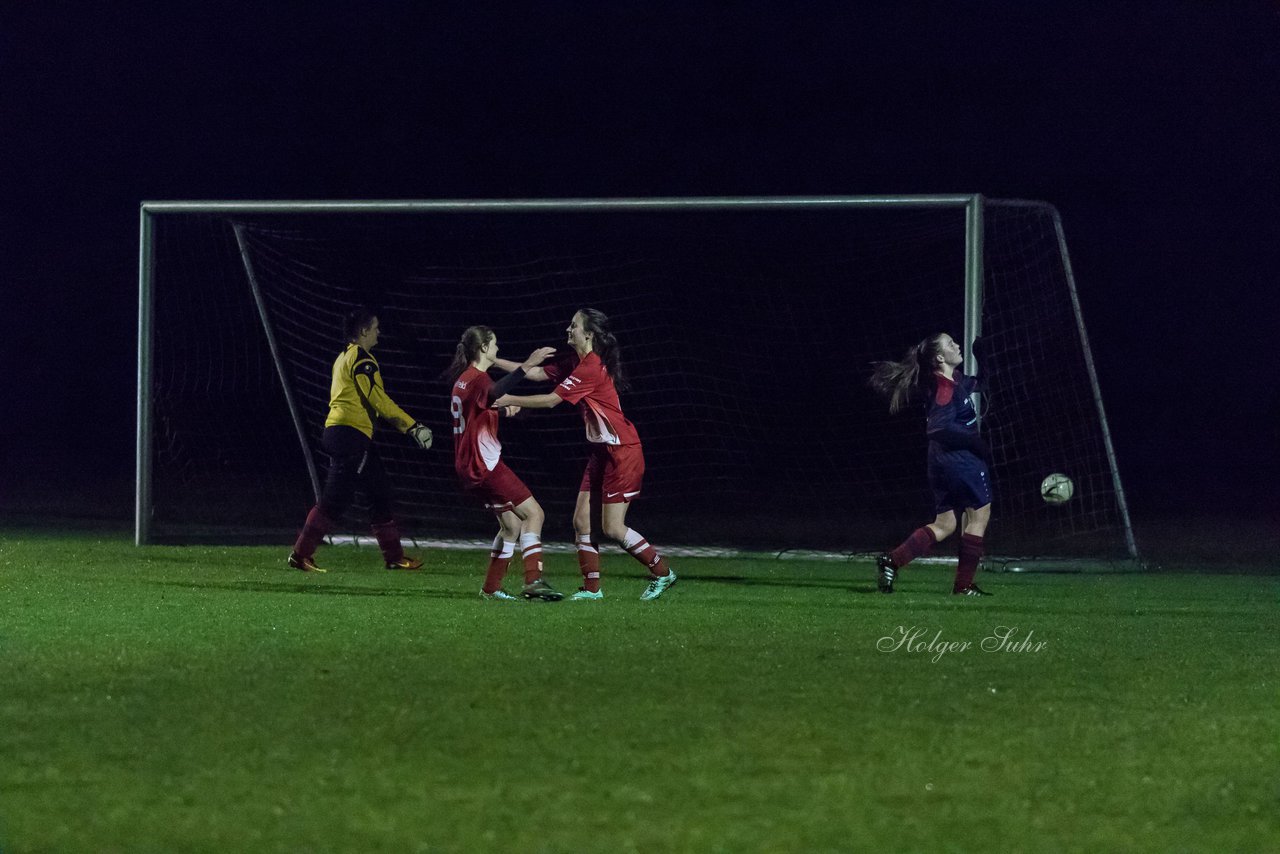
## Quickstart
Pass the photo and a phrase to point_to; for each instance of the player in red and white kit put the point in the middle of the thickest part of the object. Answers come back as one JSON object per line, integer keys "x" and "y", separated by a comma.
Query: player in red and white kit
{"x": 477, "y": 459}
{"x": 589, "y": 377}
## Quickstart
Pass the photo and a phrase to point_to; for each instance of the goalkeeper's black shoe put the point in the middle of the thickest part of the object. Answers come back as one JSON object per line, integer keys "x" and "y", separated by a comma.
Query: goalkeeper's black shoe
{"x": 305, "y": 564}
{"x": 971, "y": 590}
{"x": 539, "y": 589}
{"x": 888, "y": 572}
{"x": 405, "y": 562}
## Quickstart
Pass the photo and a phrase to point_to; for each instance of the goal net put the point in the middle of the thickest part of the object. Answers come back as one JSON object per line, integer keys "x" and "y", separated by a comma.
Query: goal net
{"x": 747, "y": 331}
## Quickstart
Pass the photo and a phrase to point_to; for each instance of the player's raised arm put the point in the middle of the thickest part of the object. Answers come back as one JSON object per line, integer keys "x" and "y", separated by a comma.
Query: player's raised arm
{"x": 529, "y": 401}
{"x": 529, "y": 366}
{"x": 505, "y": 365}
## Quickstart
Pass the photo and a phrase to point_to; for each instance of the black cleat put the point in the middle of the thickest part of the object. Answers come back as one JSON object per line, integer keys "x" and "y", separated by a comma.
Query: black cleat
{"x": 539, "y": 589}
{"x": 971, "y": 590}
{"x": 888, "y": 572}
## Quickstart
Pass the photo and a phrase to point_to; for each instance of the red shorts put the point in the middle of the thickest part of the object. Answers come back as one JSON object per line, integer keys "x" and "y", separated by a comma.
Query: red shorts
{"x": 615, "y": 470}
{"x": 501, "y": 490}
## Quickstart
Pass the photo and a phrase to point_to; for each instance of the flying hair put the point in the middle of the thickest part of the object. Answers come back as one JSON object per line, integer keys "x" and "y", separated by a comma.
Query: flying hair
{"x": 900, "y": 380}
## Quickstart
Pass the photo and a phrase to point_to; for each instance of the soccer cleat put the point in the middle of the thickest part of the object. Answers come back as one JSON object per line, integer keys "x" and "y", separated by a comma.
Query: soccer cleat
{"x": 539, "y": 589}
{"x": 305, "y": 564}
{"x": 405, "y": 562}
{"x": 971, "y": 590}
{"x": 888, "y": 572}
{"x": 658, "y": 585}
{"x": 585, "y": 595}
{"x": 498, "y": 596}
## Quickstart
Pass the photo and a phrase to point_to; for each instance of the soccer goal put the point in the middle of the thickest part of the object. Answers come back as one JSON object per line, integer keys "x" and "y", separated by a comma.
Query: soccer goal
{"x": 747, "y": 328}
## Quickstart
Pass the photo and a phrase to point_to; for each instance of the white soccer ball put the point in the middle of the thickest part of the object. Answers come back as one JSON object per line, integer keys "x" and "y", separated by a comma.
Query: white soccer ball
{"x": 1057, "y": 488}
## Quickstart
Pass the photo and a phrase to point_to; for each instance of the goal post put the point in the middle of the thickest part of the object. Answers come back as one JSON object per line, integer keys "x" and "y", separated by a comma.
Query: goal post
{"x": 238, "y": 303}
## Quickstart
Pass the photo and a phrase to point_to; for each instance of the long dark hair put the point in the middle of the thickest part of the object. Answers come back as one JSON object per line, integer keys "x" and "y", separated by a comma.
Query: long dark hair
{"x": 356, "y": 321}
{"x": 899, "y": 380}
{"x": 604, "y": 344}
{"x": 475, "y": 339}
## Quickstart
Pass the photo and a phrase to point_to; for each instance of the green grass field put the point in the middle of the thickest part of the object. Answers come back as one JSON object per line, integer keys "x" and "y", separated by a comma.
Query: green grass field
{"x": 209, "y": 699}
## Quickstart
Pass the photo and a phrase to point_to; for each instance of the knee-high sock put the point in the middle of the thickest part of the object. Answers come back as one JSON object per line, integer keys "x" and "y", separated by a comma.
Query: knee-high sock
{"x": 970, "y": 554}
{"x": 588, "y": 562}
{"x": 313, "y": 531}
{"x": 388, "y": 536}
{"x": 638, "y": 547}
{"x": 531, "y": 556}
{"x": 499, "y": 560}
{"x": 919, "y": 544}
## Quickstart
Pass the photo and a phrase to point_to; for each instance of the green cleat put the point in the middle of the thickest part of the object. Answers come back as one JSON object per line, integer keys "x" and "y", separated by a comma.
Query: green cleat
{"x": 585, "y": 595}
{"x": 498, "y": 596}
{"x": 658, "y": 585}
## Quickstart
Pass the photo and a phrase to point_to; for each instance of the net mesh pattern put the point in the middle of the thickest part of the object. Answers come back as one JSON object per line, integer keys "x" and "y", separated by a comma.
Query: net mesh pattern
{"x": 747, "y": 339}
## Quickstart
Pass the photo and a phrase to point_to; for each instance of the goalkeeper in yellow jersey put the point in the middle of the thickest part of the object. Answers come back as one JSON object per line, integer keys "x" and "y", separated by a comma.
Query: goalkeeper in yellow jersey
{"x": 356, "y": 400}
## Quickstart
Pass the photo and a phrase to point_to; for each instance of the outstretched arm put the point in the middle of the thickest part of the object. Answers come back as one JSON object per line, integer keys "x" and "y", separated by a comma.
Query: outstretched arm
{"x": 531, "y": 401}
{"x": 529, "y": 365}
{"x": 505, "y": 365}
{"x": 530, "y": 373}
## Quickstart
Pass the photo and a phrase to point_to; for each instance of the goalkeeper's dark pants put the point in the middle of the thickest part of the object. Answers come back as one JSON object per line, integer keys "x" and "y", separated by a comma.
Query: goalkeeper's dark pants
{"x": 353, "y": 463}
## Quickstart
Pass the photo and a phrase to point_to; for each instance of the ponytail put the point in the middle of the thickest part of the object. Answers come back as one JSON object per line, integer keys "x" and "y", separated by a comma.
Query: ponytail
{"x": 467, "y": 351}
{"x": 605, "y": 345}
{"x": 899, "y": 380}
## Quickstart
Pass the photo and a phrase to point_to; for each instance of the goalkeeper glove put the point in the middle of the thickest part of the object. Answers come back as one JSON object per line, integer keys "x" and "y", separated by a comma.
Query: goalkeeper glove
{"x": 421, "y": 434}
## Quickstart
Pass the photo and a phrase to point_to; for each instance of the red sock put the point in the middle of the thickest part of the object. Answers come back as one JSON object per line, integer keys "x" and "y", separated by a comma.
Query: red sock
{"x": 531, "y": 556}
{"x": 919, "y": 544}
{"x": 313, "y": 531}
{"x": 499, "y": 560}
{"x": 970, "y": 554}
{"x": 388, "y": 536}
{"x": 589, "y": 563}
{"x": 638, "y": 547}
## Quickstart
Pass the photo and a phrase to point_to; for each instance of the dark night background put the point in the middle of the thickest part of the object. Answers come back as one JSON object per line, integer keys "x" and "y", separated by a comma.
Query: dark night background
{"x": 1151, "y": 126}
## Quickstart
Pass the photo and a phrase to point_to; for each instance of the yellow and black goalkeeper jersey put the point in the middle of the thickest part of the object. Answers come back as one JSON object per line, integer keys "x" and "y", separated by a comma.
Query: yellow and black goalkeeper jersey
{"x": 356, "y": 395}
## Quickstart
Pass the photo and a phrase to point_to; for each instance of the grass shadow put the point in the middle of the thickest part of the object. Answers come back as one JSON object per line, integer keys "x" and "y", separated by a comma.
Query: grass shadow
{"x": 318, "y": 589}
{"x": 850, "y": 586}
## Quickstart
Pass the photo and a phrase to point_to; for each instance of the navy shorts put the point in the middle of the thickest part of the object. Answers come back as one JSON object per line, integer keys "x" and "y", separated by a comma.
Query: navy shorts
{"x": 959, "y": 479}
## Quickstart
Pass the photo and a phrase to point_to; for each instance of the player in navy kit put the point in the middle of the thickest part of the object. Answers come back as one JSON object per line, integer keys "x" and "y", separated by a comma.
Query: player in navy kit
{"x": 477, "y": 456}
{"x": 958, "y": 457}
{"x": 589, "y": 377}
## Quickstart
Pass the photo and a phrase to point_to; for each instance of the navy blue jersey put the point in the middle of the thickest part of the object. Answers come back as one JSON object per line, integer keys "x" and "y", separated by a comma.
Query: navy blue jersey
{"x": 953, "y": 421}
{"x": 957, "y": 455}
